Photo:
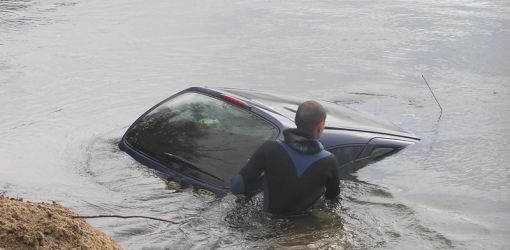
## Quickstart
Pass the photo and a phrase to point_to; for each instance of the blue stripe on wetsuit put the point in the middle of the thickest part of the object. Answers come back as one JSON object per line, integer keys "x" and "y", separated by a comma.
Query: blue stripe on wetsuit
{"x": 303, "y": 161}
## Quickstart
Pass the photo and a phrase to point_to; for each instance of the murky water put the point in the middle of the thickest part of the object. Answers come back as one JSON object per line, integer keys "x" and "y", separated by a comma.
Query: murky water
{"x": 75, "y": 74}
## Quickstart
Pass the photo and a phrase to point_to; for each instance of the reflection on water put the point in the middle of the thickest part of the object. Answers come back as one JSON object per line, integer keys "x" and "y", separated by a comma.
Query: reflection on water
{"x": 387, "y": 222}
{"x": 322, "y": 228}
{"x": 75, "y": 75}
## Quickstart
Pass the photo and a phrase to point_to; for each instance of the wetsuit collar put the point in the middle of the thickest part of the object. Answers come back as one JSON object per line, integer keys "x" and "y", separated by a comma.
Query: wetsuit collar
{"x": 302, "y": 141}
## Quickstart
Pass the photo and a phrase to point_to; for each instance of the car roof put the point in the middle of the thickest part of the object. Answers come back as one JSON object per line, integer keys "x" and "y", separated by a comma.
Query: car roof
{"x": 339, "y": 116}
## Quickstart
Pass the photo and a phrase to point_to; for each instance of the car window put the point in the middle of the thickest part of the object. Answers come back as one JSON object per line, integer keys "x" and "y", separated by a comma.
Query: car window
{"x": 215, "y": 136}
{"x": 346, "y": 154}
{"x": 381, "y": 152}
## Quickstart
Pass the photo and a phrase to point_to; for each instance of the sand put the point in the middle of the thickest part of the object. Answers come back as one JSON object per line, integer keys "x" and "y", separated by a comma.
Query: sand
{"x": 27, "y": 225}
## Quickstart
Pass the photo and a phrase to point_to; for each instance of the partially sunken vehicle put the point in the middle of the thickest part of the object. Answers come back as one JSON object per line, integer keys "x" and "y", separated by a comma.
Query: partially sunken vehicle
{"x": 204, "y": 136}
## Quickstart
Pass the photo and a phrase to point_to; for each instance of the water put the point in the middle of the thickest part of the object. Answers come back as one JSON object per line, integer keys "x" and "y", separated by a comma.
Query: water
{"x": 75, "y": 74}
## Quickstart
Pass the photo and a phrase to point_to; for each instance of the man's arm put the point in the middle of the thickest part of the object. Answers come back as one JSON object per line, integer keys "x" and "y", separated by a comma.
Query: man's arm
{"x": 247, "y": 181}
{"x": 333, "y": 182}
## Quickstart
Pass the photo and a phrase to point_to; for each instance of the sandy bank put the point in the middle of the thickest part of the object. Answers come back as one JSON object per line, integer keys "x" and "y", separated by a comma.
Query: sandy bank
{"x": 27, "y": 225}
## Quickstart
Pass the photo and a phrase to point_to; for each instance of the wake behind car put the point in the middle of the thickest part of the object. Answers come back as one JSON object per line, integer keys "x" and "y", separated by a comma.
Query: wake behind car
{"x": 204, "y": 136}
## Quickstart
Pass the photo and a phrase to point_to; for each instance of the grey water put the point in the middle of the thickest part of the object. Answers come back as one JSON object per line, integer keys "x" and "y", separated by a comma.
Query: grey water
{"x": 75, "y": 74}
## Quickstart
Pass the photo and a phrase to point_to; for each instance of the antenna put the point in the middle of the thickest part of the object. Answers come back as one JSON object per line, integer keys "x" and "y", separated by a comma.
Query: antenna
{"x": 441, "y": 108}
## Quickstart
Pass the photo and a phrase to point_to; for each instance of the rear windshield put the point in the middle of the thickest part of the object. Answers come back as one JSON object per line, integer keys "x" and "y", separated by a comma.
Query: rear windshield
{"x": 195, "y": 129}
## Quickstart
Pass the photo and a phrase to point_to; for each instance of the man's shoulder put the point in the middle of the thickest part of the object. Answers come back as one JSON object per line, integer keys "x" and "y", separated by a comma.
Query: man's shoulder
{"x": 329, "y": 158}
{"x": 269, "y": 149}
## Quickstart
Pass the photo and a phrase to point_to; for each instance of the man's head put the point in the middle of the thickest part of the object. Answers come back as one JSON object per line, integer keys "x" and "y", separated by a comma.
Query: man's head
{"x": 311, "y": 117}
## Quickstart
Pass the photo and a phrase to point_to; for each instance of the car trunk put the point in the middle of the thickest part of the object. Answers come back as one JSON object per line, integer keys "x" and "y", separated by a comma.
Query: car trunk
{"x": 339, "y": 117}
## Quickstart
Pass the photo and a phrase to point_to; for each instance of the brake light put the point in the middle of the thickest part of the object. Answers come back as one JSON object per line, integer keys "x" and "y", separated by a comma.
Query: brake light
{"x": 235, "y": 101}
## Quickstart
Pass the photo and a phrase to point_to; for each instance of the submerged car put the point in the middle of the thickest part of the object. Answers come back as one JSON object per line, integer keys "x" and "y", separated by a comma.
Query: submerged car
{"x": 204, "y": 136}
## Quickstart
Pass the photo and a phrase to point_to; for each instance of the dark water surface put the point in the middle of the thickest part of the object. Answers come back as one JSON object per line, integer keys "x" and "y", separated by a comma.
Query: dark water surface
{"x": 75, "y": 74}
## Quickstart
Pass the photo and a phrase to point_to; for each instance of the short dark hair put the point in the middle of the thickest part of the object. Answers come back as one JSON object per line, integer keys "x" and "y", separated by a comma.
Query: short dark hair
{"x": 309, "y": 115}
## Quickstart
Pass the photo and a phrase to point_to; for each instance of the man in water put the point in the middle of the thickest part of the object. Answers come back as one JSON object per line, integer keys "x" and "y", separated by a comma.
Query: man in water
{"x": 296, "y": 171}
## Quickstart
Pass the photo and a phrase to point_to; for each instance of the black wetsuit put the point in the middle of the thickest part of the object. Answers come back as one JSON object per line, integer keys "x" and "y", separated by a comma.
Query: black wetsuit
{"x": 297, "y": 172}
